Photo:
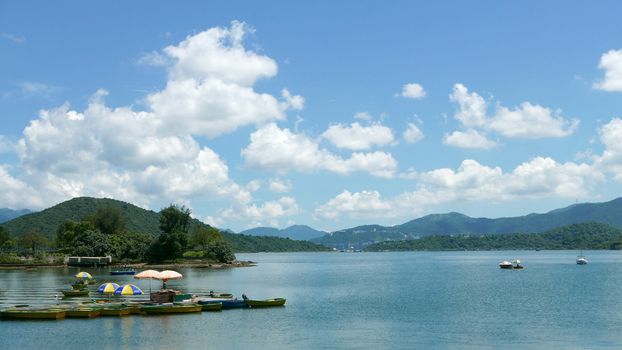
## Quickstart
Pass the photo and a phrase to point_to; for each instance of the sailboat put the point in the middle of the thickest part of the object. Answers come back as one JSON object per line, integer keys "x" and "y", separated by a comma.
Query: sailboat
{"x": 581, "y": 259}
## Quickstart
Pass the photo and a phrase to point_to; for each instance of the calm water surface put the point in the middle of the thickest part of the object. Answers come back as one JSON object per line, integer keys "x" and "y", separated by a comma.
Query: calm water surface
{"x": 424, "y": 300}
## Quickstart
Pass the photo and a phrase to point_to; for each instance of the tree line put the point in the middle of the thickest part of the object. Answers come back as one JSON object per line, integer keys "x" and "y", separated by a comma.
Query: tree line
{"x": 104, "y": 233}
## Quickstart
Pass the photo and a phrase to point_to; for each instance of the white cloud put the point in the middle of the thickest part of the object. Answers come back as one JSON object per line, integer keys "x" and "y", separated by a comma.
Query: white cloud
{"x": 525, "y": 121}
{"x": 470, "y": 138}
{"x": 295, "y": 102}
{"x": 611, "y": 158}
{"x": 412, "y": 134}
{"x": 17, "y": 194}
{"x": 218, "y": 53}
{"x": 537, "y": 178}
{"x": 14, "y": 38}
{"x": 357, "y": 204}
{"x": 6, "y": 146}
{"x": 473, "y": 107}
{"x": 32, "y": 88}
{"x": 363, "y": 116}
{"x": 154, "y": 58}
{"x": 531, "y": 121}
{"x": 211, "y": 107}
{"x": 282, "y": 150}
{"x": 358, "y": 137}
{"x": 279, "y": 185}
{"x": 253, "y": 186}
{"x": 413, "y": 90}
{"x": 611, "y": 63}
{"x": 210, "y": 87}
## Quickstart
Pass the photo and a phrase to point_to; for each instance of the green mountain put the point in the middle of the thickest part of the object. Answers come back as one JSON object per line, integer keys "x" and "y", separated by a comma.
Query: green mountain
{"x": 7, "y": 214}
{"x": 138, "y": 220}
{"x": 301, "y": 232}
{"x": 589, "y": 235}
{"x": 458, "y": 224}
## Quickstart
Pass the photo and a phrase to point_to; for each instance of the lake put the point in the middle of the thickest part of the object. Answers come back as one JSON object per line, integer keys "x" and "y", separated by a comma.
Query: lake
{"x": 425, "y": 300}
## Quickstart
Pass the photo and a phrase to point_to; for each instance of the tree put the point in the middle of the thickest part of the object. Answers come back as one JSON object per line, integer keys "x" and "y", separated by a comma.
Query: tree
{"x": 220, "y": 251}
{"x": 92, "y": 243}
{"x": 68, "y": 231}
{"x": 109, "y": 220}
{"x": 175, "y": 219}
{"x": 212, "y": 242}
{"x": 31, "y": 240}
{"x": 202, "y": 236}
{"x": 171, "y": 244}
{"x": 4, "y": 236}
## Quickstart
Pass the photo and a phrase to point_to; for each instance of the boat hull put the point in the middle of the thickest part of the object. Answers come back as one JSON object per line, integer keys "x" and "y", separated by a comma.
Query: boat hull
{"x": 34, "y": 314}
{"x": 82, "y": 313}
{"x": 114, "y": 311}
{"x": 211, "y": 306}
{"x": 76, "y": 293}
{"x": 170, "y": 309}
{"x": 117, "y": 273}
{"x": 265, "y": 303}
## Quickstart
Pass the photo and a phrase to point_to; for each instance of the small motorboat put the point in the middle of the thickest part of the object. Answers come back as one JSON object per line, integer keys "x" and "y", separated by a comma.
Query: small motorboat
{"x": 76, "y": 293}
{"x": 516, "y": 265}
{"x": 506, "y": 265}
{"x": 581, "y": 260}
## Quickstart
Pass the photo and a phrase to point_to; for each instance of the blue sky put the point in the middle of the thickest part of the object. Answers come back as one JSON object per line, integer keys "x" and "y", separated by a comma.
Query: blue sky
{"x": 331, "y": 114}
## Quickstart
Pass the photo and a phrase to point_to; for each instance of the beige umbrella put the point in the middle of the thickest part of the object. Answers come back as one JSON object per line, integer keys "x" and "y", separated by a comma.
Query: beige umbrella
{"x": 150, "y": 274}
{"x": 169, "y": 275}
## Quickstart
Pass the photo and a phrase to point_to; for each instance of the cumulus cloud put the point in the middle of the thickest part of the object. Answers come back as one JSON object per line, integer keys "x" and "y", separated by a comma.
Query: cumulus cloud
{"x": 357, "y": 204}
{"x": 472, "y": 107}
{"x": 412, "y": 134}
{"x": 6, "y": 146}
{"x": 13, "y": 38}
{"x": 530, "y": 121}
{"x": 611, "y": 158}
{"x": 470, "y": 138}
{"x": 539, "y": 177}
{"x": 282, "y": 150}
{"x": 358, "y": 137}
{"x": 413, "y": 91}
{"x": 611, "y": 63}
{"x": 151, "y": 156}
{"x": 279, "y": 185}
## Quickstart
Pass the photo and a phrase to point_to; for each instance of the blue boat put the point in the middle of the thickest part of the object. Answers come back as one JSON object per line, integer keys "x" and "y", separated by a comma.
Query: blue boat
{"x": 122, "y": 272}
{"x": 233, "y": 304}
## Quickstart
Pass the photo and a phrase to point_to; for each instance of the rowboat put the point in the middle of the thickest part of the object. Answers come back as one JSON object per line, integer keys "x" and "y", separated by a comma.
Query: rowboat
{"x": 76, "y": 293}
{"x": 220, "y": 295}
{"x": 211, "y": 305}
{"x": 82, "y": 312}
{"x": 229, "y": 303}
{"x": 79, "y": 286}
{"x": 122, "y": 272}
{"x": 34, "y": 314}
{"x": 265, "y": 302}
{"x": 169, "y": 308}
{"x": 114, "y": 311}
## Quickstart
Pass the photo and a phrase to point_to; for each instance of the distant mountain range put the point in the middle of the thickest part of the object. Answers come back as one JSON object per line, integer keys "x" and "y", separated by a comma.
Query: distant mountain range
{"x": 455, "y": 223}
{"x": 138, "y": 220}
{"x": 301, "y": 232}
{"x": 7, "y": 214}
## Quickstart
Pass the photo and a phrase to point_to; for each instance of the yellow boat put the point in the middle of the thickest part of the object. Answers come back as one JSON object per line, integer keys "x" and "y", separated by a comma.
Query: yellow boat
{"x": 82, "y": 312}
{"x": 34, "y": 314}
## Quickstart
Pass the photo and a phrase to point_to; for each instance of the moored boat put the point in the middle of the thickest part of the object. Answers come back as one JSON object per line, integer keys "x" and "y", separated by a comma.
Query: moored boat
{"x": 516, "y": 264}
{"x": 169, "y": 308}
{"x": 122, "y": 272}
{"x": 114, "y": 311}
{"x": 82, "y": 312}
{"x": 581, "y": 260}
{"x": 210, "y": 305}
{"x": 265, "y": 302}
{"x": 33, "y": 314}
{"x": 505, "y": 265}
{"x": 76, "y": 293}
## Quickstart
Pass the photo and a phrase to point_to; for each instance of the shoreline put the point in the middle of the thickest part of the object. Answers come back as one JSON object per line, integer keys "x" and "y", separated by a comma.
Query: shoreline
{"x": 198, "y": 264}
